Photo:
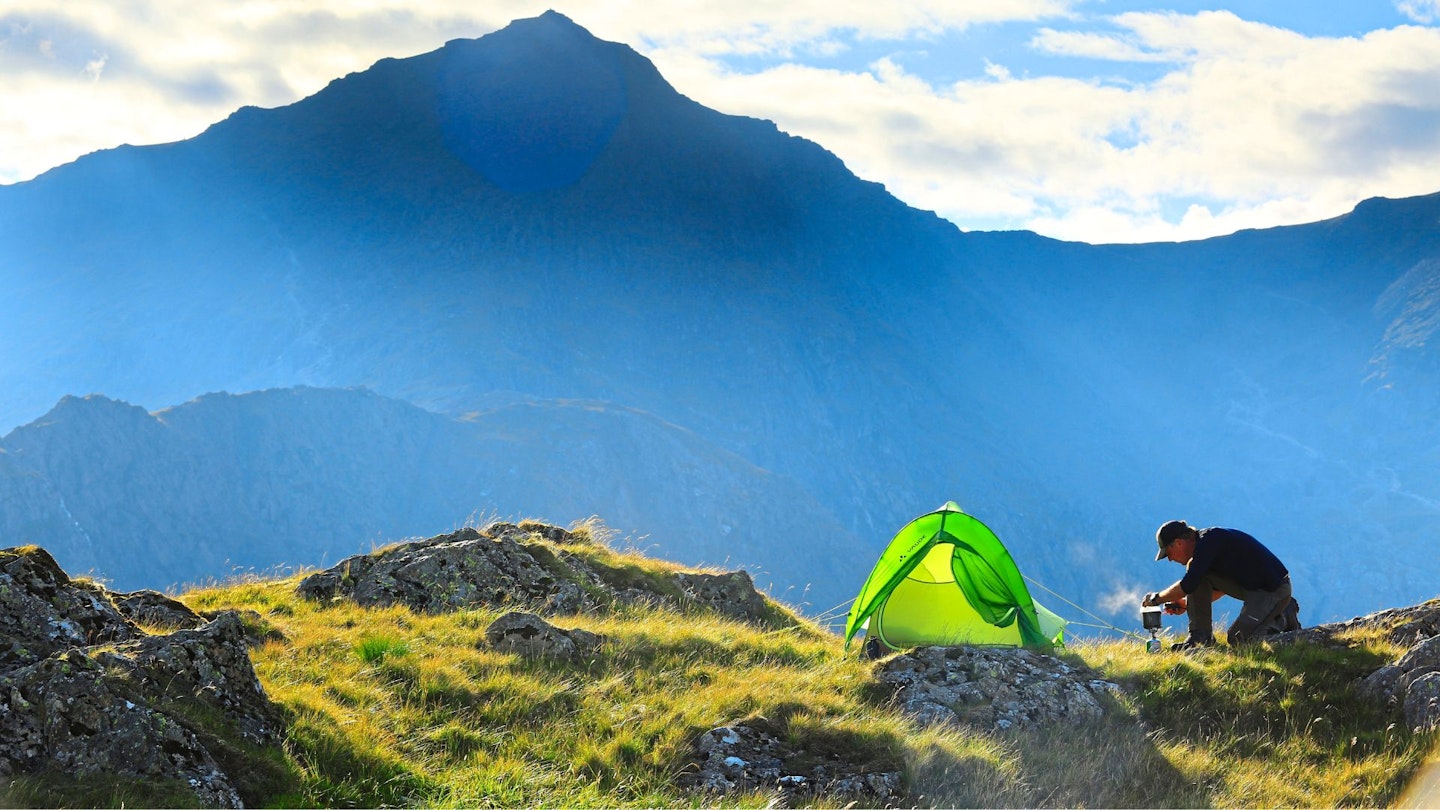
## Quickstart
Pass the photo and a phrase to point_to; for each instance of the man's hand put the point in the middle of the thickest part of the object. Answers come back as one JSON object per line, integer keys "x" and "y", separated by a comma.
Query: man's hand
{"x": 1175, "y": 608}
{"x": 1150, "y": 599}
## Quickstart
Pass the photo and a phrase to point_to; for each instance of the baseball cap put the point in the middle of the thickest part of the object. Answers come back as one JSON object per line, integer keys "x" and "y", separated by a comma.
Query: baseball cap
{"x": 1168, "y": 533}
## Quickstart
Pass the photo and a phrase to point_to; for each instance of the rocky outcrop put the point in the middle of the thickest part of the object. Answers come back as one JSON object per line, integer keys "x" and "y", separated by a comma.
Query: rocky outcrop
{"x": 85, "y": 691}
{"x": 530, "y": 567}
{"x": 43, "y": 612}
{"x": 1406, "y": 626}
{"x": 756, "y": 755}
{"x": 993, "y": 688}
{"x": 450, "y": 572}
{"x": 731, "y": 594}
{"x": 1410, "y": 685}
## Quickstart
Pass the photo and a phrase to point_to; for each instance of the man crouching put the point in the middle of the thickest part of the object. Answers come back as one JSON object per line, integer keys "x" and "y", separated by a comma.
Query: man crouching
{"x": 1220, "y": 562}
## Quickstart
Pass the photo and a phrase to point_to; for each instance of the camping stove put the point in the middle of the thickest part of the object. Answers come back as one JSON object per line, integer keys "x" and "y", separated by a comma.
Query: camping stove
{"x": 1150, "y": 616}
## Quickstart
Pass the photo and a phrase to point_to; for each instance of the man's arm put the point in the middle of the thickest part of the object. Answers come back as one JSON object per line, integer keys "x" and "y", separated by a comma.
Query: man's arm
{"x": 1174, "y": 593}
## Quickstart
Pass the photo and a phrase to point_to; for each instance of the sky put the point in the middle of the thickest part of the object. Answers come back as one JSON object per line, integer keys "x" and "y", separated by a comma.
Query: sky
{"x": 1087, "y": 120}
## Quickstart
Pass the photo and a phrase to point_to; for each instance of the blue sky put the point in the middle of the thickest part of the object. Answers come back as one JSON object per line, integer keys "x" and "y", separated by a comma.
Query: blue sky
{"x": 1092, "y": 120}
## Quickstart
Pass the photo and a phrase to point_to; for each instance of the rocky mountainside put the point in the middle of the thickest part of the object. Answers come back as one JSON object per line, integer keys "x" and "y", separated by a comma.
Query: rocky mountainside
{"x": 537, "y": 215}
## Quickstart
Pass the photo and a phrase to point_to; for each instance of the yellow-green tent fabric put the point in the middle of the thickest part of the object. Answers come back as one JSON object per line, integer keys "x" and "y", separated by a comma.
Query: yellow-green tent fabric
{"x": 946, "y": 579}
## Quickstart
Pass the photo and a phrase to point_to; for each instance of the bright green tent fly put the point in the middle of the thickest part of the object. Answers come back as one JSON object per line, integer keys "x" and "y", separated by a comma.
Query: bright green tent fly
{"x": 946, "y": 579}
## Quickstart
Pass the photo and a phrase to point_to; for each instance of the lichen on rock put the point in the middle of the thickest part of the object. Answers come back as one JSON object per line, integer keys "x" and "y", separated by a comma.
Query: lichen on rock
{"x": 993, "y": 688}
{"x": 531, "y": 636}
{"x": 84, "y": 691}
{"x": 464, "y": 569}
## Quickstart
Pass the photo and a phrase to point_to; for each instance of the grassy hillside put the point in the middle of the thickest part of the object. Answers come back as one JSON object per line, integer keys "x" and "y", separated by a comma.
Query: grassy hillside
{"x": 387, "y": 707}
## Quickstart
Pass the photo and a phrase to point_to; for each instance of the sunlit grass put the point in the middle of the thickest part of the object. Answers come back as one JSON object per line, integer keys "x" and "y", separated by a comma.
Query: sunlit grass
{"x": 393, "y": 707}
{"x": 1271, "y": 725}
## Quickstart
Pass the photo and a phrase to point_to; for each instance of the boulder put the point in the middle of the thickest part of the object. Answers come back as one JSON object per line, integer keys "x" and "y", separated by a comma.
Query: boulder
{"x": 1406, "y": 626}
{"x": 527, "y": 529}
{"x": 993, "y": 688}
{"x": 531, "y": 636}
{"x": 43, "y": 612}
{"x": 1422, "y": 703}
{"x": 1412, "y": 683}
{"x": 155, "y": 609}
{"x": 1380, "y": 685}
{"x": 210, "y": 665}
{"x": 67, "y": 714}
{"x": 1424, "y": 654}
{"x": 730, "y": 594}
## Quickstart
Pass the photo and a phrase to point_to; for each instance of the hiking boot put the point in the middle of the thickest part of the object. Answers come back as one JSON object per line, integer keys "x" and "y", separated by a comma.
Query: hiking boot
{"x": 1190, "y": 645}
{"x": 1292, "y": 615}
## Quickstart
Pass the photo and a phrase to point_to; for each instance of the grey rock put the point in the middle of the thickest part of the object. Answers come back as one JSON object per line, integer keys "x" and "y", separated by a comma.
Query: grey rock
{"x": 731, "y": 594}
{"x": 1406, "y": 626}
{"x": 1424, "y": 654}
{"x": 1380, "y": 685}
{"x": 461, "y": 570}
{"x": 1409, "y": 677}
{"x": 209, "y": 664}
{"x": 529, "y": 567}
{"x": 1393, "y": 684}
{"x": 751, "y": 755}
{"x": 993, "y": 688}
{"x": 529, "y": 635}
{"x": 1422, "y": 703}
{"x": 44, "y": 612}
{"x": 67, "y": 714}
{"x": 567, "y": 598}
{"x": 84, "y": 691}
{"x": 155, "y": 609}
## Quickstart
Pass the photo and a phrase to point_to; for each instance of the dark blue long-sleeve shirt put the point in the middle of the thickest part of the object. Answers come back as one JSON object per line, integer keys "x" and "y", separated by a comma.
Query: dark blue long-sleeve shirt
{"x": 1235, "y": 555}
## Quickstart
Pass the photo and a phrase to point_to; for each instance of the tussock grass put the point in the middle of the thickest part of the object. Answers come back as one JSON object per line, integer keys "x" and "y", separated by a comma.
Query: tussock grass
{"x": 388, "y": 706}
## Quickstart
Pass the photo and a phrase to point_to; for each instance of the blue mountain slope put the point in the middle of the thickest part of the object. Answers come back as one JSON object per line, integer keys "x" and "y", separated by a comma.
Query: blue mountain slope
{"x": 538, "y": 215}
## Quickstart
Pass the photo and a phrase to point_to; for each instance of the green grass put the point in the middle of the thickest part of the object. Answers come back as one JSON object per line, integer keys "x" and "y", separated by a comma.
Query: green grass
{"x": 388, "y": 707}
{"x": 64, "y": 790}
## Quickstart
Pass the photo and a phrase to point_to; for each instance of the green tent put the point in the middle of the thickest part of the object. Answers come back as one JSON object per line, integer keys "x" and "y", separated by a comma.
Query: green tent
{"x": 947, "y": 579}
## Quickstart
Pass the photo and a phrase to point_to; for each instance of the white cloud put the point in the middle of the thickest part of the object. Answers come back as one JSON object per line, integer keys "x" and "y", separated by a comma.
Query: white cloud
{"x": 1097, "y": 46}
{"x": 1261, "y": 125}
{"x": 1421, "y": 11}
{"x": 1248, "y": 125}
{"x": 95, "y": 67}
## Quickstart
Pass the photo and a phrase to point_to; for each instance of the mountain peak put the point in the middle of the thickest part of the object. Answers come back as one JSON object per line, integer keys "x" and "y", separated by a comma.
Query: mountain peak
{"x": 552, "y": 27}
{"x": 532, "y": 105}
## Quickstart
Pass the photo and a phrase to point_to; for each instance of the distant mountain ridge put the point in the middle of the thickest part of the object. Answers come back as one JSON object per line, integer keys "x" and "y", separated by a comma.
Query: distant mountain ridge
{"x": 538, "y": 216}
{"x": 304, "y": 477}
